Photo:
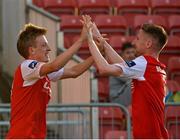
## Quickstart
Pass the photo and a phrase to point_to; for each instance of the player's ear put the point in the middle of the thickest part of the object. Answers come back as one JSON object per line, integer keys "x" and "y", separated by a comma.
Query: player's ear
{"x": 149, "y": 43}
{"x": 31, "y": 50}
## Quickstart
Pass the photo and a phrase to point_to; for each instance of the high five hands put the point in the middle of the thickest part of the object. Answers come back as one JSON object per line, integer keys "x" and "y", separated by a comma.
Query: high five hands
{"x": 93, "y": 33}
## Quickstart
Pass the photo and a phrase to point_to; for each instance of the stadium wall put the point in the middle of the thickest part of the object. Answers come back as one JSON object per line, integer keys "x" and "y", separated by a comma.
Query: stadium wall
{"x": 13, "y": 19}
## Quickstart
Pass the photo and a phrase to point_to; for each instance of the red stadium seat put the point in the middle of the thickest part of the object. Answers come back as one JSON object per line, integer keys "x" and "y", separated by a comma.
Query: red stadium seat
{"x": 110, "y": 118}
{"x": 85, "y": 44}
{"x": 165, "y": 7}
{"x": 71, "y": 27}
{"x": 60, "y": 7}
{"x": 71, "y": 24}
{"x": 67, "y": 41}
{"x": 171, "y": 49}
{"x": 174, "y": 68}
{"x": 70, "y": 39}
{"x": 116, "y": 41}
{"x": 174, "y": 130}
{"x": 173, "y": 86}
{"x": 94, "y": 7}
{"x": 172, "y": 113}
{"x": 109, "y": 113}
{"x": 155, "y": 19}
{"x": 39, "y": 3}
{"x": 103, "y": 88}
{"x": 174, "y": 64}
{"x": 173, "y": 43}
{"x": 130, "y": 8}
{"x": 111, "y": 24}
{"x": 83, "y": 52}
{"x": 113, "y": 3}
{"x": 116, "y": 134}
{"x": 174, "y": 24}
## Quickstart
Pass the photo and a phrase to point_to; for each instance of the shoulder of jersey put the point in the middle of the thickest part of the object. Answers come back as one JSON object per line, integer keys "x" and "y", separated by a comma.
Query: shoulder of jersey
{"x": 30, "y": 63}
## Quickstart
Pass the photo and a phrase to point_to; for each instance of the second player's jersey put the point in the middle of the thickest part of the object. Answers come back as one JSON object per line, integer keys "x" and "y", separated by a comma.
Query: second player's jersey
{"x": 148, "y": 96}
{"x": 29, "y": 97}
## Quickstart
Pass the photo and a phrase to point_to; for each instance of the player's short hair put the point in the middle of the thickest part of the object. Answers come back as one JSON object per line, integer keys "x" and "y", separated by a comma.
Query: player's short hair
{"x": 27, "y": 38}
{"x": 157, "y": 32}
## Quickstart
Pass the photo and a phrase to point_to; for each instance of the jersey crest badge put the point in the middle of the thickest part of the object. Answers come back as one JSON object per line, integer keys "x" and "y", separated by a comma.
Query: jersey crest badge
{"x": 131, "y": 63}
{"x": 33, "y": 64}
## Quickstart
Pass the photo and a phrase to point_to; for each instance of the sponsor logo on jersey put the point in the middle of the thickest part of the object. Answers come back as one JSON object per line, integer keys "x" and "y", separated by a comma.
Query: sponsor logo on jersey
{"x": 33, "y": 64}
{"x": 131, "y": 63}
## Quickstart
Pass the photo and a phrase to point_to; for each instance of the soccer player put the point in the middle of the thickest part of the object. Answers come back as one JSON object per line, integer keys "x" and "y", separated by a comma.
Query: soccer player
{"x": 31, "y": 85}
{"x": 147, "y": 73}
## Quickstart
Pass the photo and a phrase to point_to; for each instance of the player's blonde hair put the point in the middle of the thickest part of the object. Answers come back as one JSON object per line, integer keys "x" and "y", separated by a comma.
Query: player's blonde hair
{"x": 27, "y": 38}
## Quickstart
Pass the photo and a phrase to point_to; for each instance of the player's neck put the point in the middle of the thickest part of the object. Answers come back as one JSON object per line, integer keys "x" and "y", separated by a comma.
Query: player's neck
{"x": 31, "y": 58}
{"x": 153, "y": 54}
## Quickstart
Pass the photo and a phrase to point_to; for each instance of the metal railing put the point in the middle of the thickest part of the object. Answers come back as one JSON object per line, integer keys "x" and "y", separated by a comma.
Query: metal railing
{"x": 71, "y": 120}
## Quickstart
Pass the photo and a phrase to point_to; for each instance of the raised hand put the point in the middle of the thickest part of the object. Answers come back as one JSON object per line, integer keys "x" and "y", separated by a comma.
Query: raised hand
{"x": 88, "y": 25}
{"x": 84, "y": 20}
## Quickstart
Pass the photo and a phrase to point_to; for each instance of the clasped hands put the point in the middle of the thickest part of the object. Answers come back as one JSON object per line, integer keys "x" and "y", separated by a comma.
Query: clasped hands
{"x": 90, "y": 32}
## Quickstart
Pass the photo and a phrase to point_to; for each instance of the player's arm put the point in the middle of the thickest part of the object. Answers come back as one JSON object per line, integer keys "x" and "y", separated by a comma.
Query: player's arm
{"x": 110, "y": 54}
{"x": 78, "y": 69}
{"x": 103, "y": 66}
{"x": 73, "y": 71}
{"x": 63, "y": 58}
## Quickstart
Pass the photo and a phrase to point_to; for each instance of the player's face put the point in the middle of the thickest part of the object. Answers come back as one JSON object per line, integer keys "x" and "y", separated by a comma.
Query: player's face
{"x": 41, "y": 49}
{"x": 140, "y": 42}
{"x": 129, "y": 54}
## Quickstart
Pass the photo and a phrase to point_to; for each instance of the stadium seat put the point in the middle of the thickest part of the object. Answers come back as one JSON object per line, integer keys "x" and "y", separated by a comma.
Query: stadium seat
{"x": 173, "y": 86}
{"x": 155, "y": 19}
{"x": 109, "y": 113}
{"x": 116, "y": 41}
{"x": 172, "y": 113}
{"x": 67, "y": 41}
{"x": 103, "y": 88}
{"x": 111, "y": 24}
{"x": 61, "y": 7}
{"x": 94, "y": 7}
{"x": 173, "y": 43}
{"x": 70, "y": 39}
{"x": 85, "y": 44}
{"x": 174, "y": 130}
{"x": 171, "y": 49}
{"x": 70, "y": 23}
{"x": 83, "y": 52}
{"x": 113, "y": 3}
{"x": 38, "y": 3}
{"x": 116, "y": 134}
{"x": 71, "y": 27}
{"x": 165, "y": 7}
{"x": 174, "y": 24}
{"x": 130, "y": 8}
{"x": 110, "y": 118}
{"x": 174, "y": 68}
{"x": 174, "y": 65}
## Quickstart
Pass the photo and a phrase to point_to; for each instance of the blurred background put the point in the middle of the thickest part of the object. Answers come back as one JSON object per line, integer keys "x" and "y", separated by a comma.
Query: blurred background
{"x": 83, "y": 107}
